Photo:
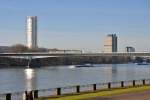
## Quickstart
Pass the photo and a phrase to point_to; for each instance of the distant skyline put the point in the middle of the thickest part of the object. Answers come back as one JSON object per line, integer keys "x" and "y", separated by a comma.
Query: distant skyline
{"x": 77, "y": 24}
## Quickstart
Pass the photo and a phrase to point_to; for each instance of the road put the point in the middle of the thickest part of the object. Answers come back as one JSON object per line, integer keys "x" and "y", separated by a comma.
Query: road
{"x": 127, "y": 96}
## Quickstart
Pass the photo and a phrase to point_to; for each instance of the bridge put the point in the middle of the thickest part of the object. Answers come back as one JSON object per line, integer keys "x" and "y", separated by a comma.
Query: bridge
{"x": 71, "y": 58}
{"x": 131, "y": 54}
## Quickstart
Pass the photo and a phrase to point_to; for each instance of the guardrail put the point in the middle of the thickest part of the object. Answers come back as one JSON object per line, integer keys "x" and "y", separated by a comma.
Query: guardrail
{"x": 132, "y": 54}
{"x": 34, "y": 94}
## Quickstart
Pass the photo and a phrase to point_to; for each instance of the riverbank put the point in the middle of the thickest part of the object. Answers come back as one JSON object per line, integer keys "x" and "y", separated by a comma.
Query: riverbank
{"x": 104, "y": 94}
{"x": 56, "y": 61}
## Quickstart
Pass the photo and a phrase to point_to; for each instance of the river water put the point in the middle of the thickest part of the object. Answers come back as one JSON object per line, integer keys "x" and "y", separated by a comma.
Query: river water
{"x": 21, "y": 79}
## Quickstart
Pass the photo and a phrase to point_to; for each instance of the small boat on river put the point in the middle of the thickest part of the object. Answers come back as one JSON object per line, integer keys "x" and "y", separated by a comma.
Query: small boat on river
{"x": 142, "y": 63}
{"x": 84, "y": 65}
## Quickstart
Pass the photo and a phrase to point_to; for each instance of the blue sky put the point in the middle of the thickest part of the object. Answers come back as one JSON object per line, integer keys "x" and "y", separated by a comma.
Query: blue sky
{"x": 77, "y": 24}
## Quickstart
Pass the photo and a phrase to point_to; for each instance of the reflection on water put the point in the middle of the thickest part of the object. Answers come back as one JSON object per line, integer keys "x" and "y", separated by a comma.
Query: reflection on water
{"x": 29, "y": 73}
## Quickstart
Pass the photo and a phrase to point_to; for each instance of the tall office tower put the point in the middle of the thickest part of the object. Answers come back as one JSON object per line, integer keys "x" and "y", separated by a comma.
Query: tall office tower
{"x": 31, "y": 30}
{"x": 110, "y": 43}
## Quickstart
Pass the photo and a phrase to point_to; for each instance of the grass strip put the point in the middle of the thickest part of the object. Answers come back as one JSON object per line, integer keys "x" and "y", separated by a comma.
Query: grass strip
{"x": 101, "y": 93}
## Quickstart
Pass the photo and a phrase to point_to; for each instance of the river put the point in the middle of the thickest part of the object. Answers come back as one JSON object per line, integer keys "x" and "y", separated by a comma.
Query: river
{"x": 21, "y": 79}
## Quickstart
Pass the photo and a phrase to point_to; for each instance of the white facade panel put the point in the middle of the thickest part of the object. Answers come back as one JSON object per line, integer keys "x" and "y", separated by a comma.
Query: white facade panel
{"x": 110, "y": 43}
{"x": 31, "y": 31}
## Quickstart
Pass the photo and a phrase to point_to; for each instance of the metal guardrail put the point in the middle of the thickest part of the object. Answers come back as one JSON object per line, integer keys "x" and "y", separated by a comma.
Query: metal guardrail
{"x": 31, "y": 95}
{"x": 77, "y": 54}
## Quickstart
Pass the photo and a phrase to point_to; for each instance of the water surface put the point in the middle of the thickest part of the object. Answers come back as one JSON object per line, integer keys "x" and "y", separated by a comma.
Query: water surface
{"x": 21, "y": 79}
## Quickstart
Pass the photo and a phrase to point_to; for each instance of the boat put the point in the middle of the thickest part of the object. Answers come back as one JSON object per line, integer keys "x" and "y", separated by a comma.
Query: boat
{"x": 72, "y": 66}
{"x": 142, "y": 63}
{"x": 84, "y": 65}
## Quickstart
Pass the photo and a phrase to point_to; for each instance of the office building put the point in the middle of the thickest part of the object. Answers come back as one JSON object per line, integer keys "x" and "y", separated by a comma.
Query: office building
{"x": 110, "y": 44}
{"x": 130, "y": 49}
{"x": 31, "y": 29}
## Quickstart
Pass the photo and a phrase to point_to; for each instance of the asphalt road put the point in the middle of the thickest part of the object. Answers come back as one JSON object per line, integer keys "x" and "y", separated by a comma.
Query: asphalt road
{"x": 127, "y": 96}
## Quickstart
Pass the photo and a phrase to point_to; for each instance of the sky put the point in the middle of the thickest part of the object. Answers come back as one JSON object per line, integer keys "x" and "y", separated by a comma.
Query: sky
{"x": 77, "y": 24}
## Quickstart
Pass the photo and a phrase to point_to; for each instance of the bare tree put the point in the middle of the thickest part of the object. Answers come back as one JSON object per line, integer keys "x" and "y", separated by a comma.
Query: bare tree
{"x": 18, "y": 48}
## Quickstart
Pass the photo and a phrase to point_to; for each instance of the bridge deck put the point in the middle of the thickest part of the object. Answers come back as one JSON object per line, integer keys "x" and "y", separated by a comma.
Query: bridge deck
{"x": 83, "y": 54}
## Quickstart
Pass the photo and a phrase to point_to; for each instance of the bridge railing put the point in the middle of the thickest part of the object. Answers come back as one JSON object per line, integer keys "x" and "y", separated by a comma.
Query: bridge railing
{"x": 76, "y": 54}
{"x": 52, "y": 92}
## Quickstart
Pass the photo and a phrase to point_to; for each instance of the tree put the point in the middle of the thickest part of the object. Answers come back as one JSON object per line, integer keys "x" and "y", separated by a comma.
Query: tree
{"x": 18, "y": 48}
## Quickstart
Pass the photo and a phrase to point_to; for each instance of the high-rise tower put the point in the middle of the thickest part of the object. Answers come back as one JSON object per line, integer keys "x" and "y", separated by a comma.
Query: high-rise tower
{"x": 31, "y": 30}
{"x": 110, "y": 43}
